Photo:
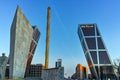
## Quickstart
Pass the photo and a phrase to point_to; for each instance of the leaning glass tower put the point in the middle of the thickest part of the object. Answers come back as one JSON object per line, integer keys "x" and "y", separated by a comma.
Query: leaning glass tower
{"x": 95, "y": 51}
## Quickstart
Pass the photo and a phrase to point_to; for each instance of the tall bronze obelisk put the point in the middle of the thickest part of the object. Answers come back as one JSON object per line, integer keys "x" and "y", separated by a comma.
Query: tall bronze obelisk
{"x": 47, "y": 39}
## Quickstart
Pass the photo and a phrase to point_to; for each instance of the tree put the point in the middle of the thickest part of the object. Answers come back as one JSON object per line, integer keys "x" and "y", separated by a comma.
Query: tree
{"x": 117, "y": 66}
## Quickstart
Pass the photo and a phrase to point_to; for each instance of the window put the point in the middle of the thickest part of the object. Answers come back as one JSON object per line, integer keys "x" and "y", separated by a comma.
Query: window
{"x": 96, "y": 67}
{"x": 80, "y": 34}
{"x": 91, "y": 43}
{"x": 84, "y": 46}
{"x": 94, "y": 56}
{"x": 98, "y": 34}
{"x": 100, "y": 43}
{"x": 88, "y": 31}
{"x": 92, "y": 71}
{"x": 106, "y": 70}
{"x": 88, "y": 60}
{"x": 103, "y": 57}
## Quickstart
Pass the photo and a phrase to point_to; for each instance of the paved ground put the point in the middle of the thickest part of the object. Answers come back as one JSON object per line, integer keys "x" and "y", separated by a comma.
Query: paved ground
{"x": 25, "y": 79}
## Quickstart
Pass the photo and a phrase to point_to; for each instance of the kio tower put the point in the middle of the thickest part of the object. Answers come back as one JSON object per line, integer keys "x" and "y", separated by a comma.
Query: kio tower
{"x": 95, "y": 51}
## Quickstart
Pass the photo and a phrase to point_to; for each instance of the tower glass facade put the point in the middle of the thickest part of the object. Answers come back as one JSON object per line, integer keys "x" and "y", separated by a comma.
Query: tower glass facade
{"x": 95, "y": 51}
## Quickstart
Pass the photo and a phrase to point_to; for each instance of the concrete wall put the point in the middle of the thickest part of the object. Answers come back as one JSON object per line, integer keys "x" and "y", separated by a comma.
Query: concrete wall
{"x": 53, "y": 74}
{"x": 21, "y": 37}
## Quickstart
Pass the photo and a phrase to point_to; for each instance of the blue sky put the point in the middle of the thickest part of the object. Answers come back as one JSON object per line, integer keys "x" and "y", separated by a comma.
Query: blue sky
{"x": 65, "y": 17}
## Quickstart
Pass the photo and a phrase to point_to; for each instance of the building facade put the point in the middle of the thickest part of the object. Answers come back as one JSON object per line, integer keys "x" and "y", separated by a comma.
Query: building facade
{"x": 56, "y": 73}
{"x": 21, "y": 39}
{"x": 35, "y": 70}
{"x": 33, "y": 45}
{"x": 95, "y": 51}
{"x": 81, "y": 72}
{"x": 58, "y": 63}
{"x": 53, "y": 74}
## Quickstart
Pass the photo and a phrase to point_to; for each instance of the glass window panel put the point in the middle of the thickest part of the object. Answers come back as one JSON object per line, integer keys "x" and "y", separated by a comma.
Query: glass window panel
{"x": 91, "y": 43}
{"x": 87, "y": 57}
{"x": 98, "y": 34}
{"x": 84, "y": 46}
{"x": 92, "y": 72}
{"x": 80, "y": 34}
{"x": 88, "y": 31}
{"x": 106, "y": 70}
{"x": 100, "y": 43}
{"x": 88, "y": 60}
{"x": 103, "y": 57}
{"x": 96, "y": 67}
{"x": 94, "y": 56}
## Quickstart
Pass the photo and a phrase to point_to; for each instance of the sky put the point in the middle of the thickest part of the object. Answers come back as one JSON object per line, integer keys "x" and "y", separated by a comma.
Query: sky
{"x": 65, "y": 17}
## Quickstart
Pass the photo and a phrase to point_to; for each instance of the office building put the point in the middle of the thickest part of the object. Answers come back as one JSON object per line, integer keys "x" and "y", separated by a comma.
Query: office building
{"x": 58, "y": 63}
{"x": 95, "y": 51}
{"x": 23, "y": 40}
{"x": 81, "y": 72}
